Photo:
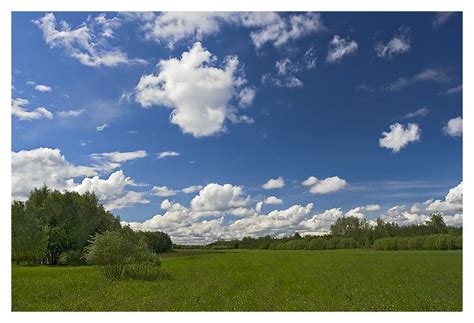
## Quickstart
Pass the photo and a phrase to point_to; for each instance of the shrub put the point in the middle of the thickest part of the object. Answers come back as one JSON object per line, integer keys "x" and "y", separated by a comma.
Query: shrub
{"x": 428, "y": 242}
{"x": 119, "y": 252}
{"x": 458, "y": 242}
{"x": 317, "y": 244}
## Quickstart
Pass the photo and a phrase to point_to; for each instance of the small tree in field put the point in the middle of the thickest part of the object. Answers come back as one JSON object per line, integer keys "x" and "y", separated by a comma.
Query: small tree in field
{"x": 121, "y": 252}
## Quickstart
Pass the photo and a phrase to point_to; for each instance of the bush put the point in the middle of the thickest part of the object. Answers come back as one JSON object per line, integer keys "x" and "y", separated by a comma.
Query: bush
{"x": 72, "y": 258}
{"x": 317, "y": 244}
{"x": 347, "y": 243}
{"x": 121, "y": 253}
{"x": 428, "y": 242}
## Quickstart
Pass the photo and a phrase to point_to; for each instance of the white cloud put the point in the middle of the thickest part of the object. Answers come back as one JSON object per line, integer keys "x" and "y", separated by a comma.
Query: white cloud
{"x": 198, "y": 93}
{"x": 398, "y": 214}
{"x": 191, "y": 189}
{"x": 102, "y": 127}
{"x": 309, "y": 58}
{"x": 399, "y": 136}
{"x": 422, "y": 112}
{"x": 285, "y": 66}
{"x": 18, "y": 110}
{"x": 111, "y": 192}
{"x": 454, "y": 127}
{"x": 433, "y": 75}
{"x": 165, "y": 154}
{"x": 43, "y": 88}
{"x": 83, "y": 43}
{"x": 43, "y": 166}
{"x": 325, "y": 186}
{"x": 246, "y": 96}
{"x": 441, "y": 18}
{"x": 340, "y": 47}
{"x": 71, "y": 113}
{"x": 163, "y": 191}
{"x": 454, "y": 90}
{"x": 273, "y": 183}
{"x": 359, "y": 212}
{"x": 399, "y": 44}
{"x": 110, "y": 161}
{"x": 267, "y": 27}
{"x": 452, "y": 202}
{"x": 288, "y": 82}
{"x": 273, "y": 200}
{"x": 215, "y": 197}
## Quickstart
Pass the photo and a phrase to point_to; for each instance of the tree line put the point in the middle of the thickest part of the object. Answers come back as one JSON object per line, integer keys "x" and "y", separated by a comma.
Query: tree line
{"x": 351, "y": 232}
{"x": 53, "y": 227}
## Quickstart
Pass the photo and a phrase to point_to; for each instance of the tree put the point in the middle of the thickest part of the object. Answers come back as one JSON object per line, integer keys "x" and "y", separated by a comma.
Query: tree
{"x": 436, "y": 223}
{"x": 121, "y": 250}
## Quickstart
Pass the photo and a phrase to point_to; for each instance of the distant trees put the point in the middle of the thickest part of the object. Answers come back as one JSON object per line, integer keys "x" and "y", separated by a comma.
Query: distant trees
{"x": 352, "y": 232}
{"x": 54, "y": 227}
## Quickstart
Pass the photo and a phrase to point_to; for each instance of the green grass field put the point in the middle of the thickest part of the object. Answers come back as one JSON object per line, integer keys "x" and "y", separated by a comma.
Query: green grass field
{"x": 260, "y": 280}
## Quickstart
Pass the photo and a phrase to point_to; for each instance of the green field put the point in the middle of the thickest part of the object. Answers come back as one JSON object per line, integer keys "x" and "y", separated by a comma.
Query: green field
{"x": 260, "y": 280}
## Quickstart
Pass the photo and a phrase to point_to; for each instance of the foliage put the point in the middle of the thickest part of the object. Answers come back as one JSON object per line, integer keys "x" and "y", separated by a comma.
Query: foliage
{"x": 256, "y": 280}
{"x": 157, "y": 241}
{"x": 428, "y": 242}
{"x": 122, "y": 253}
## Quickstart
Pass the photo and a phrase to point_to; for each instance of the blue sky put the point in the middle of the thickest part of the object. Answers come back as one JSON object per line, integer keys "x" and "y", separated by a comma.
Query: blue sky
{"x": 300, "y": 94}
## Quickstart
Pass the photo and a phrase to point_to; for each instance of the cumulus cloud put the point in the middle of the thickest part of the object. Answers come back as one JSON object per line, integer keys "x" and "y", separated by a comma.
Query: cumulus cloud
{"x": 71, "y": 113}
{"x": 19, "y": 111}
{"x": 198, "y": 93}
{"x": 84, "y": 43}
{"x": 273, "y": 183}
{"x": 266, "y": 27}
{"x": 452, "y": 202}
{"x": 43, "y": 166}
{"x": 273, "y": 200}
{"x": 359, "y": 211}
{"x": 324, "y": 186}
{"x": 216, "y": 197}
{"x": 340, "y": 47}
{"x": 111, "y": 192}
{"x": 246, "y": 96}
{"x": 422, "y": 112}
{"x": 109, "y": 161}
{"x": 399, "y": 44}
{"x": 168, "y": 153}
{"x": 399, "y": 136}
{"x": 43, "y": 88}
{"x": 191, "y": 189}
{"x": 454, "y": 127}
{"x": 163, "y": 191}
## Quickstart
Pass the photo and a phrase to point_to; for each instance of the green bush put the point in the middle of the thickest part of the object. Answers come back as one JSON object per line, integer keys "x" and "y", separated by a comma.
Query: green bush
{"x": 428, "y": 242}
{"x": 122, "y": 253}
{"x": 317, "y": 244}
{"x": 72, "y": 258}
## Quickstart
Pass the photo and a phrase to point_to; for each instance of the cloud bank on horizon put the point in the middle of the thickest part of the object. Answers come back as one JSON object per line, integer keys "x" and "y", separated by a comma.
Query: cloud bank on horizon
{"x": 222, "y": 125}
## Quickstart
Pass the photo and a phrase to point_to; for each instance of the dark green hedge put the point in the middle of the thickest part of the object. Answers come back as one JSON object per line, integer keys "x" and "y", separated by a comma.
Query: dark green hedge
{"x": 316, "y": 244}
{"x": 429, "y": 242}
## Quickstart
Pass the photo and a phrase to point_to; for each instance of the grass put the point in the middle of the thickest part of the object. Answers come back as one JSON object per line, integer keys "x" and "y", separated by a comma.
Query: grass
{"x": 256, "y": 280}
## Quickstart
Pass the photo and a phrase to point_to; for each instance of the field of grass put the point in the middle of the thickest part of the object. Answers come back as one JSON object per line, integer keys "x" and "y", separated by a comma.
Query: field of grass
{"x": 260, "y": 280}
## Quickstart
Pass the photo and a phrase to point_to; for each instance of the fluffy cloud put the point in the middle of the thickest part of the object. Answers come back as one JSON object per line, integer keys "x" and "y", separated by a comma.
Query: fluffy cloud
{"x": 454, "y": 127}
{"x": 109, "y": 161}
{"x": 422, "y": 112}
{"x": 359, "y": 212}
{"x": 399, "y": 214}
{"x": 43, "y": 166}
{"x": 215, "y": 197}
{"x": 71, "y": 113}
{"x": 198, "y": 92}
{"x": 246, "y": 96}
{"x": 452, "y": 202}
{"x": 191, "y": 189}
{"x": 84, "y": 43}
{"x": 163, "y": 191}
{"x": 19, "y": 111}
{"x": 43, "y": 88}
{"x": 399, "y": 44}
{"x": 324, "y": 186}
{"x": 273, "y": 200}
{"x": 340, "y": 47}
{"x": 288, "y": 82}
{"x": 165, "y": 154}
{"x": 267, "y": 27}
{"x": 273, "y": 183}
{"x": 111, "y": 192}
{"x": 399, "y": 136}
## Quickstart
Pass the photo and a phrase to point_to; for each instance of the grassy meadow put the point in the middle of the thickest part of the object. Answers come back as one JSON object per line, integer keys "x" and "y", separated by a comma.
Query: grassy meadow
{"x": 255, "y": 280}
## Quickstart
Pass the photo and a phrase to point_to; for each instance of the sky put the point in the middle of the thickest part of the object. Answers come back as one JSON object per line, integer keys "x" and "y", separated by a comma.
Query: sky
{"x": 222, "y": 125}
